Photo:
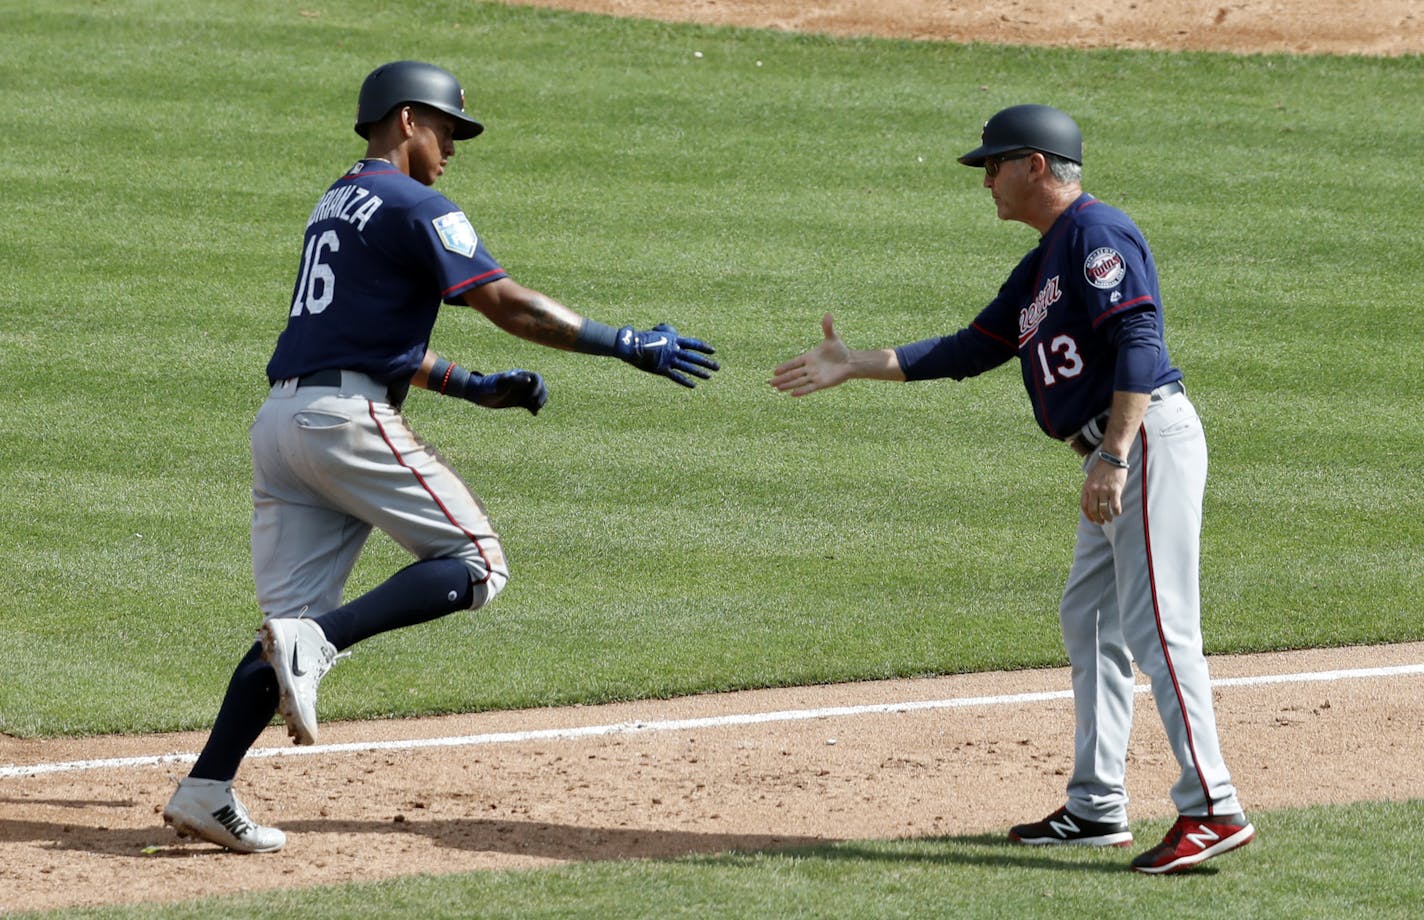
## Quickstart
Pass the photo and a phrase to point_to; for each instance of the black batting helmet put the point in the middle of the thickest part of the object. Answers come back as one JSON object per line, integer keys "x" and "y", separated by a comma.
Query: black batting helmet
{"x": 1028, "y": 127}
{"x": 400, "y": 82}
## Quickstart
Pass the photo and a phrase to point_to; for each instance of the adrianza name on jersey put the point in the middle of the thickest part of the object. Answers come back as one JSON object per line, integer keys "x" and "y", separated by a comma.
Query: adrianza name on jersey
{"x": 350, "y": 203}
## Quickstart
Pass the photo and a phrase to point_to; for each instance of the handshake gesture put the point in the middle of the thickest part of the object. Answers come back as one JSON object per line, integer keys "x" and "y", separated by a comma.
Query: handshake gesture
{"x": 662, "y": 351}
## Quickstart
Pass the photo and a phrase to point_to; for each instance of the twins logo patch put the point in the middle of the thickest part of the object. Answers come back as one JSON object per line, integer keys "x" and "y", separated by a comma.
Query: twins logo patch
{"x": 456, "y": 234}
{"x": 1105, "y": 268}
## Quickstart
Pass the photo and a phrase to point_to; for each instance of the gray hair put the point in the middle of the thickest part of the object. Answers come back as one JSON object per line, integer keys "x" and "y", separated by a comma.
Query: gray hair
{"x": 1065, "y": 171}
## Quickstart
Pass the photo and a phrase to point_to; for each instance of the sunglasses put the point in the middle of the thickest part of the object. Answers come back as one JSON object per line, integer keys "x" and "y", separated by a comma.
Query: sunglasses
{"x": 992, "y": 164}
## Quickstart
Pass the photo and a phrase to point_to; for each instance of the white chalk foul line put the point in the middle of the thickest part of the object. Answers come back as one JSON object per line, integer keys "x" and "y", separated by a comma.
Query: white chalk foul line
{"x": 629, "y": 728}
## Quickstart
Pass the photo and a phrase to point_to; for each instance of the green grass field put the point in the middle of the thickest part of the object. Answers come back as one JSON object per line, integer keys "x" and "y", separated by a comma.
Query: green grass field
{"x": 968, "y": 877}
{"x": 162, "y": 159}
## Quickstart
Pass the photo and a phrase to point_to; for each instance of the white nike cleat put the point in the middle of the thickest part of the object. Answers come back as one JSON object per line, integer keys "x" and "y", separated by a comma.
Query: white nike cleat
{"x": 298, "y": 651}
{"x": 210, "y": 810}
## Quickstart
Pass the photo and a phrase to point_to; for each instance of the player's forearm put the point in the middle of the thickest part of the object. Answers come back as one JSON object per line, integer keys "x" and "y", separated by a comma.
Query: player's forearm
{"x": 875, "y": 364}
{"x": 1123, "y": 422}
{"x": 421, "y": 378}
{"x": 436, "y": 373}
{"x": 542, "y": 320}
{"x": 527, "y": 313}
{"x": 531, "y": 315}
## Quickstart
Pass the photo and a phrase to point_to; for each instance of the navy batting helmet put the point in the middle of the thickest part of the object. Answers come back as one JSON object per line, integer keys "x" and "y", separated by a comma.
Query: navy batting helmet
{"x": 1028, "y": 127}
{"x": 401, "y": 82}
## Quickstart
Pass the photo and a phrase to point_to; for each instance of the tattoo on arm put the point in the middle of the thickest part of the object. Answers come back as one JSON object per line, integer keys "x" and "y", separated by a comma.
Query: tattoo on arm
{"x": 547, "y": 322}
{"x": 527, "y": 313}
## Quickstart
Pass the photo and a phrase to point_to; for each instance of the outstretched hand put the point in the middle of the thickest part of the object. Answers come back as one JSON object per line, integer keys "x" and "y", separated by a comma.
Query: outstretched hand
{"x": 662, "y": 351}
{"x": 825, "y": 366}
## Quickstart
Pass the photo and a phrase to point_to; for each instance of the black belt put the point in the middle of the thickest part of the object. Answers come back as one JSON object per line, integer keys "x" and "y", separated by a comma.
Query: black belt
{"x": 1083, "y": 442}
{"x": 326, "y": 378}
{"x": 331, "y": 377}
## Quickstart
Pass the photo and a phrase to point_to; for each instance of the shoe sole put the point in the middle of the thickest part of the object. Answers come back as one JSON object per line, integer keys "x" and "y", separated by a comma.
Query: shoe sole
{"x": 1107, "y": 840}
{"x": 1235, "y": 842}
{"x": 273, "y": 651}
{"x": 185, "y": 830}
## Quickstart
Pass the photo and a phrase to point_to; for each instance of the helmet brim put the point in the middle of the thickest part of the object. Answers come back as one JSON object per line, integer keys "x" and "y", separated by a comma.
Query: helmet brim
{"x": 465, "y": 126}
{"x": 978, "y": 155}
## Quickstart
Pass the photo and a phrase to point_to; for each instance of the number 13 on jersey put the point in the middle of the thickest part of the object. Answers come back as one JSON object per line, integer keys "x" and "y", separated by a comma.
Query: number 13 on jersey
{"x": 1063, "y": 353}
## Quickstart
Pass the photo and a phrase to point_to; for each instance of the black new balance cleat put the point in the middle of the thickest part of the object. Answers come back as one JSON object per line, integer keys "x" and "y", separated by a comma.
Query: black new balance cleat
{"x": 1062, "y": 828}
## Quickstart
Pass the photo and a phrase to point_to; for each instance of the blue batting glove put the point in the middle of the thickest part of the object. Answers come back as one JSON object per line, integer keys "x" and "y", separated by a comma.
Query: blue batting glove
{"x": 661, "y": 350}
{"x": 508, "y": 390}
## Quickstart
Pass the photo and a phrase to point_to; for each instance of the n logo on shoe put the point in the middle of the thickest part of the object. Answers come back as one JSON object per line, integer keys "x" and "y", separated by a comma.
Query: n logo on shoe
{"x": 228, "y": 817}
{"x": 1203, "y": 837}
{"x": 1064, "y": 827}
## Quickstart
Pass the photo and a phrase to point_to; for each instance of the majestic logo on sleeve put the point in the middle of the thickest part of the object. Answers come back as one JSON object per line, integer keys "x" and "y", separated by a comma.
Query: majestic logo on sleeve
{"x": 1105, "y": 268}
{"x": 1034, "y": 313}
{"x": 456, "y": 234}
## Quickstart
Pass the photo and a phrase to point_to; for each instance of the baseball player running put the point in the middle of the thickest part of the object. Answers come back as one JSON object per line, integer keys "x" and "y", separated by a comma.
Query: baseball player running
{"x": 332, "y": 454}
{"x": 1083, "y": 314}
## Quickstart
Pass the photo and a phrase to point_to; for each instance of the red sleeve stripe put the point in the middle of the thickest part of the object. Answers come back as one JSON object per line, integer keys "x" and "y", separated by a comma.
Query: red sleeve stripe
{"x": 997, "y": 338}
{"x": 471, "y": 282}
{"x": 1145, "y": 298}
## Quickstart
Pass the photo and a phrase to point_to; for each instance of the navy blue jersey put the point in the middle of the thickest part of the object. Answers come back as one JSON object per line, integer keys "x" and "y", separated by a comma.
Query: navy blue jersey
{"x": 381, "y": 253}
{"x": 1083, "y": 313}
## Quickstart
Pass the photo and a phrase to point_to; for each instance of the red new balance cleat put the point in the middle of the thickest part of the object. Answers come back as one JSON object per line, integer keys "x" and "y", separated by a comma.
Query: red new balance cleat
{"x": 1194, "y": 840}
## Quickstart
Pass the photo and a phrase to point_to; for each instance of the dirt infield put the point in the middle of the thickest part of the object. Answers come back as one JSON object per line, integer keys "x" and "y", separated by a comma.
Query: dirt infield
{"x": 518, "y": 791}
{"x": 685, "y": 776}
{"x": 1388, "y": 27}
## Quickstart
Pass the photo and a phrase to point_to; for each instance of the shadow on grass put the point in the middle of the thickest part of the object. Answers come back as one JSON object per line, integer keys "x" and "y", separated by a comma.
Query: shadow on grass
{"x": 565, "y": 842}
{"x": 984, "y": 851}
{"x": 576, "y": 843}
